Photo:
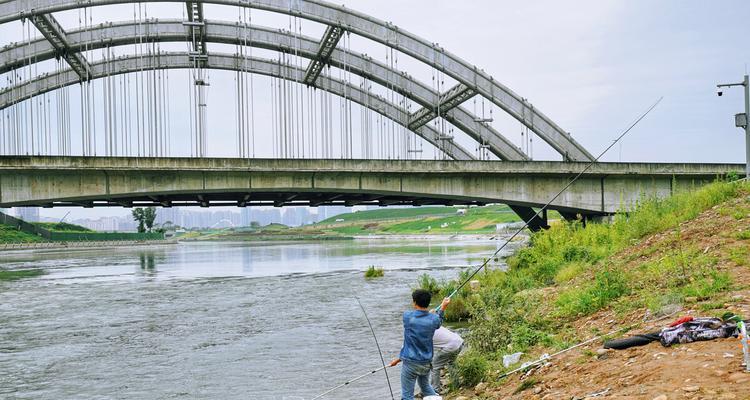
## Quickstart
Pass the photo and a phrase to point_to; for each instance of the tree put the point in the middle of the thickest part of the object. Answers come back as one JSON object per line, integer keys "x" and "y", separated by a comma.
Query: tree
{"x": 139, "y": 217}
{"x": 145, "y": 218}
{"x": 149, "y": 215}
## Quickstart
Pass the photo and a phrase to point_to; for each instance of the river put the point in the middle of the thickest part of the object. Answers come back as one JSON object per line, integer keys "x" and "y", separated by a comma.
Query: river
{"x": 261, "y": 321}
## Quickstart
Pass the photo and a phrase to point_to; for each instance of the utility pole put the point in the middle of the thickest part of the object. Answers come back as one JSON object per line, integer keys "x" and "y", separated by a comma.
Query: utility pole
{"x": 741, "y": 120}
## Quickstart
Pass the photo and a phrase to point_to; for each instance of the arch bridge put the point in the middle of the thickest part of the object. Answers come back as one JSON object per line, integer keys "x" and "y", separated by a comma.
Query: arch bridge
{"x": 40, "y": 115}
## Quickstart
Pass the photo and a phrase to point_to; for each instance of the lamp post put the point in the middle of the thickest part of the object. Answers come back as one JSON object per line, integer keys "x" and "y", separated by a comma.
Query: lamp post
{"x": 741, "y": 120}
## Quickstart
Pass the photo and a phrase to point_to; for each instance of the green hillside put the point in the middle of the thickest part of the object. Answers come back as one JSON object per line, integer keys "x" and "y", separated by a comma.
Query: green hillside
{"x": 390, "y": 213}
{"x": 428, "y": 220}
{"x": 62, "y": 227}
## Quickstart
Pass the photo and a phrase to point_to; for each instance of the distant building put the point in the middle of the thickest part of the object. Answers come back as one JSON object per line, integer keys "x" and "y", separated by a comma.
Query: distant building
{"x": 28, "y": 214}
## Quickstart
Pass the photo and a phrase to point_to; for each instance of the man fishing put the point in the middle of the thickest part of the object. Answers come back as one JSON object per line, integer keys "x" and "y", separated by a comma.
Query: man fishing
{"x": 447, "y": 345}
{"x": 419, "y": 327}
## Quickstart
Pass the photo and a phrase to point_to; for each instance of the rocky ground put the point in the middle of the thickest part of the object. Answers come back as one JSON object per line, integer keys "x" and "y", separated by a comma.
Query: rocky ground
{"x": 703, "y": 370}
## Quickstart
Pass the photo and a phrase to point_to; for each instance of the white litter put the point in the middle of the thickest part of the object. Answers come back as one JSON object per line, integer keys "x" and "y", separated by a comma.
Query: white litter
{"x": 511, "y": 359}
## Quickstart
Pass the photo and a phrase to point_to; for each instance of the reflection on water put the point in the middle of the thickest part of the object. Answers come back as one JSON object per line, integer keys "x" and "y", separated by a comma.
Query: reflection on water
{"x": 211, "y": 320}
{"x": 148, "y": 262}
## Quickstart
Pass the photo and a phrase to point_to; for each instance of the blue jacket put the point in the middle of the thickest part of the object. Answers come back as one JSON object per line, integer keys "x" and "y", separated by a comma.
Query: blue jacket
{"x": 419, "y": 327}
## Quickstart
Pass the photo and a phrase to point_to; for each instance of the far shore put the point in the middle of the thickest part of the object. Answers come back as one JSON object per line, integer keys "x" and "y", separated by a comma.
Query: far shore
{"x": 43, "y": 246}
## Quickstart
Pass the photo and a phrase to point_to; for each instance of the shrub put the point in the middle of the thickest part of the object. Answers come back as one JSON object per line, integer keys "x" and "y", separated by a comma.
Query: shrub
{"x": 471, "y": 368}
{"x": 374, "y": 272}
{"x": 428, "y": 283}
{"x": 458, "y": 310}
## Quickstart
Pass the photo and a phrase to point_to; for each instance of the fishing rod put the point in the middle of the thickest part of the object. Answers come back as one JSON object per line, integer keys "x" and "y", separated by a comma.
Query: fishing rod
{"x": 380, "y": 352}
{"x": 484, "y": 264}
{"x": 538, "y": 213}
{"x": 350, "y": 381}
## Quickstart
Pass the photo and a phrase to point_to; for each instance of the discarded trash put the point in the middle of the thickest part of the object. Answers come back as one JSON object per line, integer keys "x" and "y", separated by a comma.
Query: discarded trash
{"x": 684, "y": 330}
{"x": 511, "y": 359}
{"x": 597, "y": 394}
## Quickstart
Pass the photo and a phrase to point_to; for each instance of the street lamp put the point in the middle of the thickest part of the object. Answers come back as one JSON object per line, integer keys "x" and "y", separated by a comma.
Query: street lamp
{"x": 741, "y": 120}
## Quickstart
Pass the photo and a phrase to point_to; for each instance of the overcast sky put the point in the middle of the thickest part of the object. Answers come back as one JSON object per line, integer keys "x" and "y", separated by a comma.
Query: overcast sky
{"x": 591, "y": 66}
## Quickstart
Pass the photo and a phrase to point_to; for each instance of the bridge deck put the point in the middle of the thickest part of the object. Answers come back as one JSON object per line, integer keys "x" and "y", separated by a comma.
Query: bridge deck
{"x": 130, "y": 181}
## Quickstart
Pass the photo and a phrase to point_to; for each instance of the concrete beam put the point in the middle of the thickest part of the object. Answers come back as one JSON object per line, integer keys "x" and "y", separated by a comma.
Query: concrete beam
{"x": 102, "y": 181}
{"x": 197, "y": 31}
{"x": 447, "y": 101}
{"x": 328, "y": 43}
{"x": 55, "y": 35}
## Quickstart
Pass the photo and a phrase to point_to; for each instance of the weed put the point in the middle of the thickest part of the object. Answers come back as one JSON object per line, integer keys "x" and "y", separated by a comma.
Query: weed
{"x": 704, "y": 287}
{"x": 740, "y": 256}
{"x": 374, "y": 272}
{"x": 608, "y": 285}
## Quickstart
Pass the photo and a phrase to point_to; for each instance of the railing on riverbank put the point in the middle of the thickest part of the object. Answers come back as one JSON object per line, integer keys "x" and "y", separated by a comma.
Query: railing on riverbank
{"x": 81, "y": 244}
{"x": 24, "y": 226}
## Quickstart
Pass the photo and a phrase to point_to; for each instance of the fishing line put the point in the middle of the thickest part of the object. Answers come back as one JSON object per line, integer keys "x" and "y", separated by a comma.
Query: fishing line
{"x": 541, "y": 210}
{"x": 380, "y": 352}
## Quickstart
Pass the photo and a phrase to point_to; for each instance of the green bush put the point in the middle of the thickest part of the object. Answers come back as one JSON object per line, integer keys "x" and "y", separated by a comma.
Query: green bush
{"x": 470, "y": 369}
{"x": 374, "y": 272}
{"x": 458, "y": 310}
{"x": 428, "y": 283}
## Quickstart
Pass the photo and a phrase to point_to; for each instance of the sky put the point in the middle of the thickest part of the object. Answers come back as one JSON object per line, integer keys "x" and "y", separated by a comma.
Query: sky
{"x": 591, "y": 66}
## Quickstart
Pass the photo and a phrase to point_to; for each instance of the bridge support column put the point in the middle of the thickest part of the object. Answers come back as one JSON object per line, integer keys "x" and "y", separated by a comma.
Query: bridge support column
{"x": 536, "y": 223}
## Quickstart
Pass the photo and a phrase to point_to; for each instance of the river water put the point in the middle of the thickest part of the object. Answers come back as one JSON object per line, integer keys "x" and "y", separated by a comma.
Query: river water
{"x": 212, "y": 320}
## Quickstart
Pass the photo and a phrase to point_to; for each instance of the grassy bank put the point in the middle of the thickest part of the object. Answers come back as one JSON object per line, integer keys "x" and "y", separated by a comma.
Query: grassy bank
{"x": 420, "y": 221}
{"x": 393, "y": 221}
{"x": 568, "y": 273}
{"x": 9, "y": 234}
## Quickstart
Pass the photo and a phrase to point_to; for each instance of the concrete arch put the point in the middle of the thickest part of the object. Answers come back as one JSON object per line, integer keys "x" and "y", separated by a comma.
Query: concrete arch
{"x": 120, "y": 34}
{"x": 373, "y": 29}
{"x": 231, "y": 62}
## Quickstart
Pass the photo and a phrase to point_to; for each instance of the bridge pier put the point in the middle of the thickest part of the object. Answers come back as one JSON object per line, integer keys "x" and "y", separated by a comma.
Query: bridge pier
{"x": 528, "y": 215}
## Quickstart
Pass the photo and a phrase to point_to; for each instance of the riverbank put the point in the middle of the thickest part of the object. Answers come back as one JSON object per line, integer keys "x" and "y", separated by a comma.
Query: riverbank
{"x": 83, "y": 245}
{"x": 686, "y": 255}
